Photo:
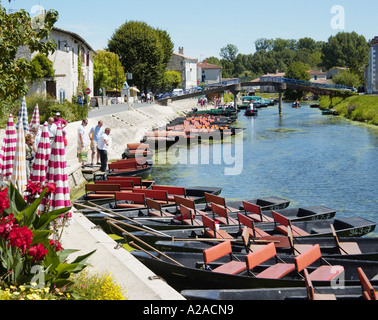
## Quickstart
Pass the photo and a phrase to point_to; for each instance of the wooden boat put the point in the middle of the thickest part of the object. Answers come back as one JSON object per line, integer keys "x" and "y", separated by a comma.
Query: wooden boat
{"x": 344, "y": 227}
{"x": 296, "y": 105}
{"x": 266, "y": 203}
{"x": 328, "y": 112}
{"x": 220, "y": 215}
{"x": 138, "y": 150}
{"x": 214, "y": 270}
{"x": 195, "y": 193}
{"x": 339, "y": 293}
{"x": 249, "y": 112}
{"x": 365, "y": 248}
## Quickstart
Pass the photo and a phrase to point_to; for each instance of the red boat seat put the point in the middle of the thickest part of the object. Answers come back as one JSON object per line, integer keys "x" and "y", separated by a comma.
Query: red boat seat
{"x": 345, "y": 248}
{"x": 220, "y": 214}
{"x": 282, "y": 223}
{"x": 155, "y": 208}
{"x": 188, "y": 216}
{"x": 212, "y": 198}
{"x": 311, "y": 295}
{"x": 134, "y": 200}
{"x": 322, "y": 273}
{"x": 101, "y": 191}
{"x": 253, "y": 231}
{"x": 220, "y": 250}
{"x": 254, "y": 211}
{"x": 276, "y": 271}
{"x": 211, "y": 231}
{"x": 157, "y": 195}
{"x": 187, "y": 203}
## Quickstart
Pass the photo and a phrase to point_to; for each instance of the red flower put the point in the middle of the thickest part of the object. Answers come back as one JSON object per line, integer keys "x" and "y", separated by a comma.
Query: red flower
{"x": 38, "y": 252}
{"x": 21, "y": 238}
{"x": 57, "y": 245}
{"x": 51, "y": 187}
{"x": 6, "y": 225}
{"x": 4, "y": 201}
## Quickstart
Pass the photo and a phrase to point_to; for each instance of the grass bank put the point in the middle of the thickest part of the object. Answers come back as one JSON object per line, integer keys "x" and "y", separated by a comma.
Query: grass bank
{"x": 358, "y": 108}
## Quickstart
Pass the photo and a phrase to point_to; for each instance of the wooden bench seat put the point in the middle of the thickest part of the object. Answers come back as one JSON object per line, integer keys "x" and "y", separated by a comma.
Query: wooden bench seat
{"x": 281, "y": 224}
{"x": 212, "y": 198}
{"x": 211, "y": 231}
{"x": 94, "y": 191}
{"x": 323, "y": 272}
{"x": 187, "y": 203}
{"x": 249, "y": 223}
{"x": 220, "y": 214}
{"x": 157, "y": 195}
{"x": 254, "y": 211}
{"x": 369, "y": 292}
{"x": 311, "y": 295}
{"x": 265, "y": 253}
{"x": 132, "y": 200}
{"x": 218, "y": 251}
{"x": 155, "y": 208}
{"x": 188, "y": 216}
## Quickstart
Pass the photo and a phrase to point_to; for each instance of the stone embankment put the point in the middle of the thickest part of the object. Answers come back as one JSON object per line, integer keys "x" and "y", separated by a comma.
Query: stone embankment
{"x": 126, "y": 127}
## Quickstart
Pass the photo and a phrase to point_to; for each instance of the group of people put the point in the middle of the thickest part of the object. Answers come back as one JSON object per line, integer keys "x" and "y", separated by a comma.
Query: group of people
{"x": 97, "y": 141}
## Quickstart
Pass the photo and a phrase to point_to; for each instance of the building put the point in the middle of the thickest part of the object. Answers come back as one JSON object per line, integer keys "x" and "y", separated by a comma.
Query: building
{"x": 371, "y": 69}
{"x": 186, "y": 66}
{"x": 317, "y": 76}
{"x": 268, "y": 88}
{"x": 332, "y": 72}
{"x": 208, "y": 73}
{"x": 71, "y": 51}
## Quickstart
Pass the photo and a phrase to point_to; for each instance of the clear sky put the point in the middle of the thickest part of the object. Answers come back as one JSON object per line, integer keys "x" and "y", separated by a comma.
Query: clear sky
{"x": 204, "y": 27}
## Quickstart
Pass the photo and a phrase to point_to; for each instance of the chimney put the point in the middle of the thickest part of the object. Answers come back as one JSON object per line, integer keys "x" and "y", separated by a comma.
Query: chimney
{"x": 181, "y": 50}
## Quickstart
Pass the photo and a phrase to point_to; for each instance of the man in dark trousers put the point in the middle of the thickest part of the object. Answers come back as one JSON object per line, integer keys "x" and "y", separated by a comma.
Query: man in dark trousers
{"x": 103, "y": 146}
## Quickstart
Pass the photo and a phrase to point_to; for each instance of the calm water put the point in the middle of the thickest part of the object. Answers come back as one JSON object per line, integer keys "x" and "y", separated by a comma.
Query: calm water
{"x": 302, "y": 155}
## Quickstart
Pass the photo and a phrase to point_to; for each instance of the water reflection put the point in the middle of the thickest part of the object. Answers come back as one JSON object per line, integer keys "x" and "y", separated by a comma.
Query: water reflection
{"x": 301, "y": 155}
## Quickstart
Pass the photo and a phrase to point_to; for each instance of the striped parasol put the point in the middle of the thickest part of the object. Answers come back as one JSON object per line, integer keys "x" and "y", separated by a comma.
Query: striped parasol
{"x": 23, "y": 116}
{"x": 8, "y": 150}
{"x": 19, "y": 178}
{"x": 41, "y": 159}
{"x": 35, "y": 117}
{"x": 57, "y": 173}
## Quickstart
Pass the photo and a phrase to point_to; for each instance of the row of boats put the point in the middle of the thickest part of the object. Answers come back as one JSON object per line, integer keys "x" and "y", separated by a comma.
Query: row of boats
{"x": 209, "y": 248}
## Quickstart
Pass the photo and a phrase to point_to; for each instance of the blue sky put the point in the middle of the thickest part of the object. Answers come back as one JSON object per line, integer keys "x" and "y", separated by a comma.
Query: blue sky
{"x": 204, "y": 27}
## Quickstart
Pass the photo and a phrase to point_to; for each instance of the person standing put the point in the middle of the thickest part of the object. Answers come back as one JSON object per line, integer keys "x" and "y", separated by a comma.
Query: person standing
{"x": 82, "y": 141}
{"x": 52, "y": 128}
{"x": 37, "y": 134}
{"x": 94, "y": 134}
{"x": 58, "y": 119}
{"x": 103, "y": 146}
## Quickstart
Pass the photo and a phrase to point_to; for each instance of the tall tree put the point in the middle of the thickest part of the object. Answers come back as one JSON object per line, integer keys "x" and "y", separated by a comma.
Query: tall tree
{"x": 345, "y": 50}
{"x": 229, "y": 52}
{"x": 108, "y": 72}
{"x": 143, "y": 51}
{"x": 19, "y": 30}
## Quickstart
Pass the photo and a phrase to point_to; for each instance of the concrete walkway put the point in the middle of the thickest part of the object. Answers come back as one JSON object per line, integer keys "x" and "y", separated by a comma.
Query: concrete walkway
{"x": 127, "y": 126}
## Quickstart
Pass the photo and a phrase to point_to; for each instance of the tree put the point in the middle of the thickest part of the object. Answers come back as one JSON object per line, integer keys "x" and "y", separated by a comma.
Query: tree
{"x": 108, "y": 72}
{"x": 17, "y": 29}
{"x": 229, "y": 52}
{"x": 297, "y": 70}
{"x": 345, "y": 50}
{"x": 347, "y": 78}
{"x": 171, "y": 80}
{"x": 42, "y": 67}
{"x": 144, "y": 51}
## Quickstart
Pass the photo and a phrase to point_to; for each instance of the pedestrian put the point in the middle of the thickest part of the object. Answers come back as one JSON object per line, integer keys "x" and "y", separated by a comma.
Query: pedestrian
{"x": 52, "y": 128}
{"x": 80, "y": 99}
{"x": 94, "y": 134}
{"x": 103, "y": 147}
{"x": 82, "y": 143}
{"x": 58, "y": 120}
{"x": 37, "y": 134}
{"x": 64, "y": 133}
{"x": 30, "y": 150}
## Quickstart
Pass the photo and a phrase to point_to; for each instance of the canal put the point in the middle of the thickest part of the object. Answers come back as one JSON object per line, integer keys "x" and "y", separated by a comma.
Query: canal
{"x": 302, "y": 155}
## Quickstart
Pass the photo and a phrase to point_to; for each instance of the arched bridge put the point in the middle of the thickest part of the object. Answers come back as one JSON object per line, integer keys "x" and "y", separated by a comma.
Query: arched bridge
{"x": 279, "y": 83}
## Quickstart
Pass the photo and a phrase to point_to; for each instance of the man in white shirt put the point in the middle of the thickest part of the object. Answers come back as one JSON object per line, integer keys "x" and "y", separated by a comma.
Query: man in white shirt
{"x": 103, "y": 146}
{"x": 82, "y": 142}
{"x": 52, "y": 129}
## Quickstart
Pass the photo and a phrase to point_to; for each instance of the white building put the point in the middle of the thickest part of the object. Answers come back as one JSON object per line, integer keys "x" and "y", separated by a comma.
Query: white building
{"x": 71, "y": 50}
{"x": 371, "y": 70}
{"x": 208, "y": 73}
{"x": 186, "y": 66}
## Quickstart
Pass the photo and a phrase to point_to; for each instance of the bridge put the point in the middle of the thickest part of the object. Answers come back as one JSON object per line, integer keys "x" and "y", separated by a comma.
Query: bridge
{"x": 280, "y": 83}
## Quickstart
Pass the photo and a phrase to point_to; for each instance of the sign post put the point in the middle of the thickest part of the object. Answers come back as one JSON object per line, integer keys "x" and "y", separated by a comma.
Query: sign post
{"x": 87, "y": 92}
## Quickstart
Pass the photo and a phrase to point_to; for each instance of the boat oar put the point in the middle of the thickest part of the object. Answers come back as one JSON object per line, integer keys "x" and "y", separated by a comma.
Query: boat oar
{"x": 118, "y": 215}
{"x": 132, "y": 243}
{"x": 144, "y": 243}
{"x": 140, "y": 228}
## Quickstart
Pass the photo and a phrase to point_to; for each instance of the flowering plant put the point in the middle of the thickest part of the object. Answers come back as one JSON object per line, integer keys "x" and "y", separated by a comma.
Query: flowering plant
{"x": 27, "y": 252}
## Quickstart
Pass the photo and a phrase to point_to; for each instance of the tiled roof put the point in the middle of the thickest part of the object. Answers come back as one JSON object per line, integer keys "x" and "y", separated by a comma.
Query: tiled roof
{"x": 205, "y": 65}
